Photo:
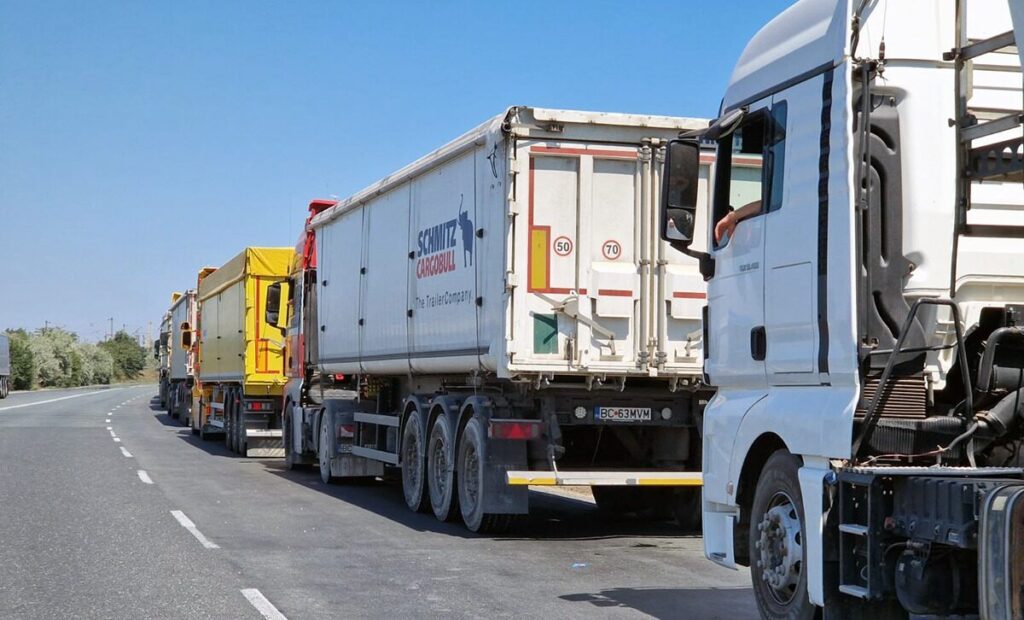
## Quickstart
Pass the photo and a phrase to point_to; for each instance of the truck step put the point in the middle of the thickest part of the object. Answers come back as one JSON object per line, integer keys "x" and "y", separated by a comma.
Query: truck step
{"x": 604, "y": 478}
{"x": 853, "y": 528}
{"x": 856, "y": 591}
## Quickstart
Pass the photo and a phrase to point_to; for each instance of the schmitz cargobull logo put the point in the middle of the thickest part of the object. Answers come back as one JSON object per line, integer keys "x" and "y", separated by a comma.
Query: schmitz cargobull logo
{"x": 435, "y": 251}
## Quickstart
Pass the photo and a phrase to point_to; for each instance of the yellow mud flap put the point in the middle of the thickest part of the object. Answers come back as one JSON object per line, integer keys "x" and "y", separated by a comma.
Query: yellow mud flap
{"x": 605, "y": 478}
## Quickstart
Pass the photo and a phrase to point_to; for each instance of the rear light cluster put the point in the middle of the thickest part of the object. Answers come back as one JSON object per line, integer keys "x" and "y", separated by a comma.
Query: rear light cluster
{"x": 258, "y": 406}
{"x": 514, "y": 429}
{"x": 346, "y": 431}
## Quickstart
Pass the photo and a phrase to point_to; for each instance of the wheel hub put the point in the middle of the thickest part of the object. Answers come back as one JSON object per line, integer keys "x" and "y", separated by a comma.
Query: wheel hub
{"x": 780, "y": 549}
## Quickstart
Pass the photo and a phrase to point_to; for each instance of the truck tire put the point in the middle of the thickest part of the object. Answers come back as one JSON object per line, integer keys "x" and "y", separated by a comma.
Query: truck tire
{"x": 686, "y": 508}
{"x": 241, "y": 440}
{"x": 290, "y": 462}
{"x": 4, "y": 387}
{"x": 617, "y": 500}
{"x": 441, "y": 471}
{"x": 471, "y": 482}
{"x": 414, "y": 478}
{"x": 323, "y": 451}
{"x": 777, "y": 531}
{"x": 229, "y": 427}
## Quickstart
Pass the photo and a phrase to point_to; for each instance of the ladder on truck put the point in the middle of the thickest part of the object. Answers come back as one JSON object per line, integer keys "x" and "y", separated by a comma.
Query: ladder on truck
{"x": 989, "y": 138}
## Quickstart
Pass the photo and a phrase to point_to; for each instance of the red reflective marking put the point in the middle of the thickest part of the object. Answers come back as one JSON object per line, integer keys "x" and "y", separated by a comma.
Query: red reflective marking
{"x": 610, "y": 292}
{"x": 595, "y": 152}
{"x": 689, "y": 295}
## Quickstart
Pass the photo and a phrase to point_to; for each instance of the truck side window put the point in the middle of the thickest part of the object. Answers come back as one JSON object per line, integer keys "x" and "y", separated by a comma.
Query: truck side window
{"x": 775, "y": 155}
{"x": 750, "y": 163}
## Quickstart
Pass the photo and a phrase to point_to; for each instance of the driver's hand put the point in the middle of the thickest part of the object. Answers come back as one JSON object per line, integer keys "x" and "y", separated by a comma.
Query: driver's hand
{"x": 725, "y": 226}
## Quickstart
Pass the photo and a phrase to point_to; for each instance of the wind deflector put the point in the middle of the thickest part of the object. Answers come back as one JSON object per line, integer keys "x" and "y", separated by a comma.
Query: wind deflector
{"x": 720, "y": 127}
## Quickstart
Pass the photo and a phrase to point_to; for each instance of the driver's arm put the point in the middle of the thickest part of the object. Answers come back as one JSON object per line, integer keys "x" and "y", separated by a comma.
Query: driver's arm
{"x": 727, "y": 224}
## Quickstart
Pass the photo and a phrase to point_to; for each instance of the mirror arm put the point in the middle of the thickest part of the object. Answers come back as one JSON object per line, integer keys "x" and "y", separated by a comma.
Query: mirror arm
{"x": 707, "y": 262}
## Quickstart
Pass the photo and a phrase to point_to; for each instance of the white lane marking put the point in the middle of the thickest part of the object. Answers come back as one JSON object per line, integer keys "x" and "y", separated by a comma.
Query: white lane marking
{"x": 110, "y": 428}
{"x": 143, "y": 476}
{"x": 126, "y": 452}
{"x": 53, "y": 400}
{"x": 107, "y": 421}
{"x": 117, "y": 440}
{"x": 191, "y": 527}
{"x": 113, "y": 434}
{"x": 262, "y": 605}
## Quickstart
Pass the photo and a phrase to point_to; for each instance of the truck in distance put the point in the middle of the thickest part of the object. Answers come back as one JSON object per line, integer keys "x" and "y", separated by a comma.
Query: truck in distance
{"x": 501, "y": 313}
{"x": 865, "y": 322}
{"x": 5, "y": 365}
{"x": 181, "y": 358}
{"x": 239, "y": 365}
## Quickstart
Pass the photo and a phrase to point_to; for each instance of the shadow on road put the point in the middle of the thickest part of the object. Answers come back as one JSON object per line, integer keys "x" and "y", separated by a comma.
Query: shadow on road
{"x": 551, "y": 517}
{"x": 703, "y": 603}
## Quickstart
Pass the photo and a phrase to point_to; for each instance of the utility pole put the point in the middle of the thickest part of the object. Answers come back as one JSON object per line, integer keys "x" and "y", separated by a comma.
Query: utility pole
{"x": 111, "y": 328}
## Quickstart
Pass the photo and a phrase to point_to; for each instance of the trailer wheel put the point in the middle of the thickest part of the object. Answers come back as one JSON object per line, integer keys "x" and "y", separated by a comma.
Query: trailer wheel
{"x": 471, "y": 481}
{"x": 414, "y": 477}
{"x": 441, "y": 471}
{"x": 778, "y": 567}
{"x": 229, "y": 436}
{"x": 324, "y": 449}
{"x": 241, "y": 439}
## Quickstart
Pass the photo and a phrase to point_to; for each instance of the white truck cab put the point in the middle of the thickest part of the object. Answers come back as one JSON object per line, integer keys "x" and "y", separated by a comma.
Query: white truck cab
{"x": 882, "y": 246}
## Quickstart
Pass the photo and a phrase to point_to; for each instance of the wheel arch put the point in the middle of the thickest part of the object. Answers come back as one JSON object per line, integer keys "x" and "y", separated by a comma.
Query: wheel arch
{"x": 757, "y": 456}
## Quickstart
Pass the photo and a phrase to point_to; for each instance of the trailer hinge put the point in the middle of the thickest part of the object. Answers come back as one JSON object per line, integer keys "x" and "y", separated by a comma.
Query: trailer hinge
{"x": 645, "y": 153}
{"x": 514, "y": 167}
{"x": 511, "y": 280}
{"x": 513, "y": 208}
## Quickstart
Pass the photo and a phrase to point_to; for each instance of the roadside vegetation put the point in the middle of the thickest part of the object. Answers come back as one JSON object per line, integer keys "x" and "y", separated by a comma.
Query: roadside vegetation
{"x": 54, "y": 357}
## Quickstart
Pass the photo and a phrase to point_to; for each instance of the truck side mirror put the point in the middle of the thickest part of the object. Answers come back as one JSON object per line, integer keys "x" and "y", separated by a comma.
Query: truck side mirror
{"x": 679, "y": 192}
{"x": 186, "y": 336}
{"x": 275, "y": 313}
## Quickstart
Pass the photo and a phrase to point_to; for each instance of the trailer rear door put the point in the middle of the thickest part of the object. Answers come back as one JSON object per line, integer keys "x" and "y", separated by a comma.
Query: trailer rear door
{"x": 592, "y": 296}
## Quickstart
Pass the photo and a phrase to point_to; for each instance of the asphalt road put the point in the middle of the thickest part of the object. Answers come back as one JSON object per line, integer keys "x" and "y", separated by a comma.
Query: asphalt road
{"x": 93, "y": 525}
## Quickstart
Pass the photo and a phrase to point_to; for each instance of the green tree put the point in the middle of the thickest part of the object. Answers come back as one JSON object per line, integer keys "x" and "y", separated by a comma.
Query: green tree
{"x": 23, "y": 365}
{"x": 58, "y": 362}
{"x": 128, "y": 355}
{"x": 98, "y": 364}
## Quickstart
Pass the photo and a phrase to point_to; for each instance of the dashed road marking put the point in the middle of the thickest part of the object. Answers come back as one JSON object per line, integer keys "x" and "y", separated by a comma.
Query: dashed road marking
{"x": 143, "y": 476}
{"x": 262, "y": 605}
{"x": 110, "y": 428}
{"x": 192, "y": 529}
{"x": 107, "y": 420}
{"x": 53, "y": 400}
{"x": 126, "y": 452}
{"x": 117, "y": 440}
{"x": 113, "y": 434}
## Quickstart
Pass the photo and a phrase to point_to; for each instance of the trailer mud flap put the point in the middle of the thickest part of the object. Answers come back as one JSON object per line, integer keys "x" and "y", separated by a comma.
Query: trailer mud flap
{"x": 264, "y": 443}
{"x": 1000, "y": 563}
{"x": 504, "y": 455}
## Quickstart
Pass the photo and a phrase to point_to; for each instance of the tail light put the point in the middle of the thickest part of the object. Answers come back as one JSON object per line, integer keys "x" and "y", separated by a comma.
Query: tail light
{"x": 346, "y": 431}
{"x": 514, "y": 429}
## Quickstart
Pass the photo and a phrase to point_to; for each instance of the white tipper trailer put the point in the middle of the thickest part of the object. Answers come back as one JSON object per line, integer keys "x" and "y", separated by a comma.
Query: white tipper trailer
{"x": 865, "y": 332}
{"x": 181, "y": 377}
{"x": 502, "y": 313}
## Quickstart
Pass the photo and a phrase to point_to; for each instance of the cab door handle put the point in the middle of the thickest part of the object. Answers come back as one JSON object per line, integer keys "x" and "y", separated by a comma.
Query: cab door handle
{"x": 758, "y": 343}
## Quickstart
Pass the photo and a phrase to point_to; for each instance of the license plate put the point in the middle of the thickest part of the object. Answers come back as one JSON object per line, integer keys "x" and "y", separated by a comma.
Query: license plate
{"x": 622, "y": 414}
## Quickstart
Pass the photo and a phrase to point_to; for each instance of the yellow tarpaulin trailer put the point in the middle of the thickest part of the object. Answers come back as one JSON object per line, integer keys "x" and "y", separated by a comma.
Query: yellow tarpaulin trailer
{"x": 241, "y": 357}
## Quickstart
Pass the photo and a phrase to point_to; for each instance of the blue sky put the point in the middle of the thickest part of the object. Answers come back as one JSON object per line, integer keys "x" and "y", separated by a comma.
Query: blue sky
{"x": 142, "y": 140}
